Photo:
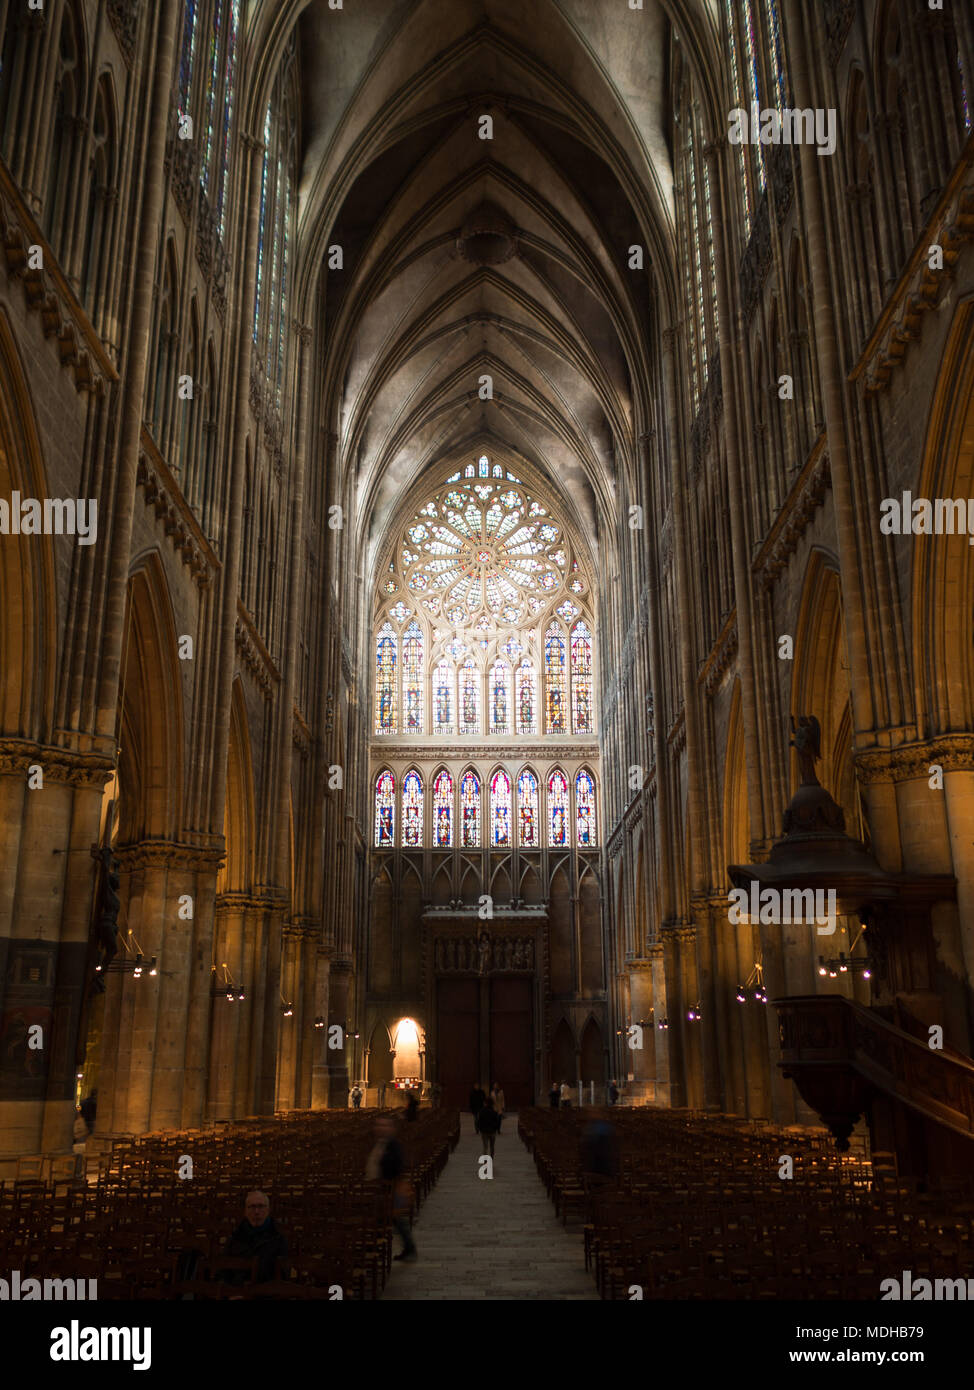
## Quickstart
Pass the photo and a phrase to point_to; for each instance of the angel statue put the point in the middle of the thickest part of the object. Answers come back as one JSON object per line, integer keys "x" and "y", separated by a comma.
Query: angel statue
{"x": 807, "y": 743}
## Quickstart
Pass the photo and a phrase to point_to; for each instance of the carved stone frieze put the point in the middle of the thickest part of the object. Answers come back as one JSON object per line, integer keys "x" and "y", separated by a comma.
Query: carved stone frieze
{"x": 920, "y": 287}
{"x": 952, "y": 752}
{"x": 254, "y": 654}
{"x": 168, "y": 854}
{"x": 467, "y": 954}
{"x": 62, "y": 315}
{"x": 574, "y": 752}
{"x": 161, "y": 492}
{"x": 806, "y": 496}
{"x": 123, "y": 15}
{"x": 57, "y": 764}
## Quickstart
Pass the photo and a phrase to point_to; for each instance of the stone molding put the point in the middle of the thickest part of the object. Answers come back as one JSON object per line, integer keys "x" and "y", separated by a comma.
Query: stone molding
{"x": 953, "y": 752}
{"x": 300, "y": 733}
{"x": 499, "y": 752}
{"x": 721, "y": 655}
{"x": 804, "y": 499}
{"x": 162, "y": 492}
{"x": 62, "y": 314}
{"x": 123, "y": 15}
{"x": 58, "y": 764}
{"x": 919, "y": 288}
{"x": 168, "y": 854}
{"x": 254, "y": 654}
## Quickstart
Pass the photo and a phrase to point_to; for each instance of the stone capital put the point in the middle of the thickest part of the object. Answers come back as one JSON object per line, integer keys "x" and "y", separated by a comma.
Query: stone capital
{"x": 168, "y": 854}
{"x": 952, "y": 752}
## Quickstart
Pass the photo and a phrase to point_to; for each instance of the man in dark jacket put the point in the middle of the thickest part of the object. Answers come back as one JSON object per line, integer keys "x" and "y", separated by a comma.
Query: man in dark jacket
{"x": 477, "y": 1097}
{"x": 256, "y": 1236}
{"x": 490, "y": 1123}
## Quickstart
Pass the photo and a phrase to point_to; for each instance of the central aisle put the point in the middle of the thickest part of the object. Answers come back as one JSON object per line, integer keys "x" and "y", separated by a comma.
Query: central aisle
{"x": 491, "y": 1238}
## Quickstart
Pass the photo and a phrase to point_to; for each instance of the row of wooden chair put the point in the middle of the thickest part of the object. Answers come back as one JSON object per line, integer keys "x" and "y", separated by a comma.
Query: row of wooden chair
{"x": 697, "y": 1207}
{"x": 142, "y": 1231}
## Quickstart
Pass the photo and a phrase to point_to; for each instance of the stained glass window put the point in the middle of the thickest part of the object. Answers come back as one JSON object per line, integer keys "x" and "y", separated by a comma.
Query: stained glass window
{"x": 469, "y": 698}
{"x": 500, "y": 809}
{"x": 581, "y": 679}
{"x": 385, "y": 810}
{"x": 737, "y": 95}
{"x": 698, "y": 318}
{"x": 500, "y": 698}
{"x": 443, "y": 681}
{"x": 527, "y": 705}
{"x": 228, "y": 82}
{"x": 754, "y": 80}
{"x": 557, "y": 809}
{"x": 554, "y": 660}
{"x": 585, "y": 809}
{"x": 778, "y": 62}
{"x": 212, "y": 96}
{"x": 412, "y": 810}
{"x": 469, "y": 810}
{"x": 527, "y": 810}
{"x": 412, "y": 679}
{"x": 443, "y": 811}
{"x": 187, "y": 56}
{"x": 385, "y": 681}
{"x": 261, "y": 230}
{"x": 286, "y": 240}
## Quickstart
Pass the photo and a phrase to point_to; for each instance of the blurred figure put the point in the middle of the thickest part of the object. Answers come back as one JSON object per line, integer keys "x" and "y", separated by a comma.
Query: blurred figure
{"x": 412, "y": 1103}
{"x": 80, "y": 1131}
{"x": 613, "y": 1092}
{"x": 566, "y": 1096}
{"x": 387, "y": 1164}
{"x": 380, "y": 1094}
{"x": 497, "y": 1096}
{"x": 597, "y": 1151}
{"x": 490, "y": 1124}
{"x": 477, "y": 1097}
{"x": 356, "y": 1096}
{"x": 554, "y": 1096}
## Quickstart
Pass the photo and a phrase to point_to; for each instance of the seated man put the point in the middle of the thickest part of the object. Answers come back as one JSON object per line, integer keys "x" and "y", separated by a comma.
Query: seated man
{"x": 257, "y": 1236}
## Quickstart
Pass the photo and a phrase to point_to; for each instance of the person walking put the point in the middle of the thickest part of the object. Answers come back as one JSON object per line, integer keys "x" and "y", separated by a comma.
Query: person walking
{"x": 613, "y": 1093}
{"x": 490, "y": 1124}
{"x": 554, "y": 1096}
{"x": 566, "y": 1096}
{"x": 387, "y": 1164}
{"x": 356, "y": 1096}
{"x": 380, "y": 1096}
{"x": 477, "y": 1098}
{"x": 497, "y": 1096}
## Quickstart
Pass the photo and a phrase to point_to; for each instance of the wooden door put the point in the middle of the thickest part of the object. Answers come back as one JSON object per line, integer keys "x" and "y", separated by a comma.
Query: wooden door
{"x": 512, "y": 1039}
{"x": 458, "y": 1038}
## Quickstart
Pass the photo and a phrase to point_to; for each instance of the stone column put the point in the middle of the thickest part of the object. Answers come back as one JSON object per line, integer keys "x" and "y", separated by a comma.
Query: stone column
{"x": 226, "y": 1017}
{"x": 320, "y": 1079}
{"x": 833, "y": 386}
{"x": 339, "y": 1060}
{"x": 145, "y": 244}
{"x": 760, "y": 817}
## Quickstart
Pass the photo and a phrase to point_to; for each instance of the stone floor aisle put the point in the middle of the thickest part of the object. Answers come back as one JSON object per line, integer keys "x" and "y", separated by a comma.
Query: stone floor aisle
{"x": 494, "y": 1238}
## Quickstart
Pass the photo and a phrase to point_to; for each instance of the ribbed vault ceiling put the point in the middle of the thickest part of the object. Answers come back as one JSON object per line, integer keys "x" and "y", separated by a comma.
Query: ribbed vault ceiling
{"x": 466, "y": 257}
